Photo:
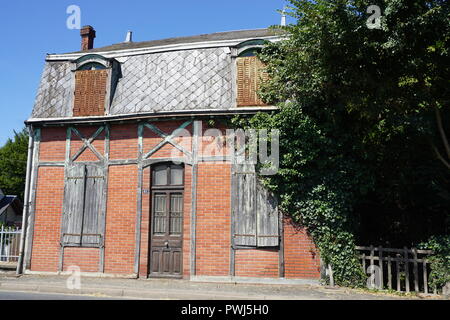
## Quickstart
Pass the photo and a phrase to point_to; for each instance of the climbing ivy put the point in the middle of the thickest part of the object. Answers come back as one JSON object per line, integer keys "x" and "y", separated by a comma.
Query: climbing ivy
{"x": 357, "y": 119}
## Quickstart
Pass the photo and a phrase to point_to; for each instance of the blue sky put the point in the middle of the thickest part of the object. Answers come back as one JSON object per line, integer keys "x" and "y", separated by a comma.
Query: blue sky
{"x": 31, "y": 29}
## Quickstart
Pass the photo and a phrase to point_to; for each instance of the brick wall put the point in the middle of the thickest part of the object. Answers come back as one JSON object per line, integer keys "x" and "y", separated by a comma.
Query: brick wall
{"x": 257, "y": 263}
{"x": 121, "y": 220}
{"x": 301, "y": 258}
{"x": 47, "y": 222}
{"x": 123, "y": 144}
{"x": 53, "y": 144}
{"x": 213, "y": 213}
{"x": 87, "y": 259}
{"x": 213, "y": 219}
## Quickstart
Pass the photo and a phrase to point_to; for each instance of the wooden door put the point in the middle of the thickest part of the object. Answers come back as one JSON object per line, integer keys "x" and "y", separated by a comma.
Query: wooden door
{"x": 166, "y": 249}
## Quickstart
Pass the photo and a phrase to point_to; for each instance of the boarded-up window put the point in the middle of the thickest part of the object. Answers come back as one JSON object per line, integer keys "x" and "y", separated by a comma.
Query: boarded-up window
{"x": 90, "y": 93}
{"x": 83, "y": 206}
{"x": 256, "y": 219}
{"x": 250, "y": 75}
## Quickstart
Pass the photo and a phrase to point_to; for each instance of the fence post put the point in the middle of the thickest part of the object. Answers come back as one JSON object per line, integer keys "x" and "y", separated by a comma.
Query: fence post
{"x": 406, "y": 259}
{"x": 380, "y": 264}
{"x": 330, "y": 273}
{"x": 425, "y": 276}
{"x": 416, "y": 271}
{"x": 1, "y": 243}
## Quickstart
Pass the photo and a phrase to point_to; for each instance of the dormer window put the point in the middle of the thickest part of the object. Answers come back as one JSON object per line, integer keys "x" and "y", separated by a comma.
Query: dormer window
{"x": 93, "y": 81}
{"x": 250, "y": 75}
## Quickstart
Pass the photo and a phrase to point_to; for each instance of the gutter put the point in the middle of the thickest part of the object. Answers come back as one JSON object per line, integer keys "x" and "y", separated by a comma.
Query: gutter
{"x": 26, "y": 205}
{"x": 164, "y": 48}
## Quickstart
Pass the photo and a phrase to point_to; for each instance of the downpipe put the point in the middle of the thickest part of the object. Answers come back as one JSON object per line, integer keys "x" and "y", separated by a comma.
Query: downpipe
{"x": 26, "y": 206}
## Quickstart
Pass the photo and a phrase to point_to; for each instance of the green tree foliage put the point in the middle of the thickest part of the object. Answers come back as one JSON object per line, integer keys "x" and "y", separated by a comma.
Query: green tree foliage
{"x": 362, "y": 117}
{"x": 13, "y": 163}
{"x": 440, "y": 260}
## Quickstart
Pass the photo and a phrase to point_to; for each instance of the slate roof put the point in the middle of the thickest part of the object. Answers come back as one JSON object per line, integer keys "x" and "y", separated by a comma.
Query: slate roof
{"x": 199, "y": 77}
{"x": 218, "y": 36}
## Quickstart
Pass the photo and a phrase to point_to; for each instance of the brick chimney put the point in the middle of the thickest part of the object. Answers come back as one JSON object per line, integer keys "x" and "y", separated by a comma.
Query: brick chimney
{"x": 87, "y": 38}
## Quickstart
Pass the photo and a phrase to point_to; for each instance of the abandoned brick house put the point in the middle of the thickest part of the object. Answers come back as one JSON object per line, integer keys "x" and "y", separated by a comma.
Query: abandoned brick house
{"x": 115, "y": 189}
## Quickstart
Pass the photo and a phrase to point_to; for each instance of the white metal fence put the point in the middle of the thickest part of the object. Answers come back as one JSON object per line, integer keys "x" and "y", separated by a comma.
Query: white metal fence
{"x": 9, "y": 245}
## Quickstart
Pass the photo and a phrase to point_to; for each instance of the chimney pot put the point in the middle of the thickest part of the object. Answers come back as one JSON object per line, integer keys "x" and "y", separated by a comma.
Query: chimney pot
{"x": 129, "y": 37}
{"x": 87, "y": 38}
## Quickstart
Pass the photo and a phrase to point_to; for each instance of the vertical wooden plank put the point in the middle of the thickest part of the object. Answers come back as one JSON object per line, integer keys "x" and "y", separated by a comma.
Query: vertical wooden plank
{"x": 372, "y": 254}
{"x": 364, "y": 262}
{"x": 406, "y": 259}
{"x": 93, "y": 206}
{"x": 389, "y": 273}
{"x": 197, "y": 129}
{"x": 67, "y": 163}
{"x": 267, "y": 217}
{"x": 139, "y": 200}
{"x": 246, "y": 218}
{"x": 415, "y": 270}
{"x": 30, "y": 232}
{"x": 425, "y": 276}
{"x": 330, "y": 273}
{"x": 380, "y": 264}
{"x": 397, "y": 265}
{"x": 102, "y": 228}
{"x": 233, "y": 221}
{"x": 281, "y": 264}
{"x": 138, "y": 220}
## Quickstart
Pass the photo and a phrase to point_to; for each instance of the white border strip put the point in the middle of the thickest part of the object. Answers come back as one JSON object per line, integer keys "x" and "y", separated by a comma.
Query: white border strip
{"x": 149, "y": 114}
{"x": 171, "y": 47}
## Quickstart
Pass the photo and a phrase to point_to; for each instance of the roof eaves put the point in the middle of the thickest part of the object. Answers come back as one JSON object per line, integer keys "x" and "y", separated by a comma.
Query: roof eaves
{"x": 156, "y": 49}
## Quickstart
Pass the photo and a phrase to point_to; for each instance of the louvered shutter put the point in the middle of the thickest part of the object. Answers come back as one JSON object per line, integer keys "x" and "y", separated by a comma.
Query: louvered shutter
{"x": 90, "y": 92}
{"x": 73, "y": 205}
{"x": 250, "y": 75}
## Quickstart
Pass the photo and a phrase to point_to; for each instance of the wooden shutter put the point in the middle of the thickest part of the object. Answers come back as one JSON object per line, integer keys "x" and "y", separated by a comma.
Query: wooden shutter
{"x": 93, "y": 206}
{"x": 245, "y": 206}
{"x": 82, "y": 206}
{"x": 256, "y": 219}
{"x": 250, "y": 75}
{"x": 90, "y": 92}
{"x": 73, "y": 206}
{"x": 267, "y": 218}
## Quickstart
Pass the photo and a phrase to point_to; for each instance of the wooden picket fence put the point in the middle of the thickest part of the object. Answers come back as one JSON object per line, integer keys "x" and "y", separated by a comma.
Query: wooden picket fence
{"x": 403, "y": 270}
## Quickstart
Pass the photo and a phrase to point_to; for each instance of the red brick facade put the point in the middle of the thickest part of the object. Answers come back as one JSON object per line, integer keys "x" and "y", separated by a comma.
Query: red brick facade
{"x": 213, "y": 212}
